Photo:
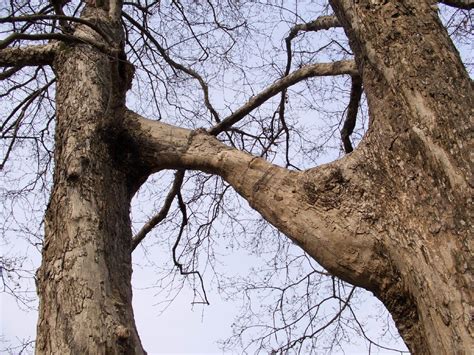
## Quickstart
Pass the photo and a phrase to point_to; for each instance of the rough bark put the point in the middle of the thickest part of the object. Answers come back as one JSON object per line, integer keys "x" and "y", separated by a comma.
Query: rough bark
{"x": 84, "y": 282}
{"x": 393, "y": 216}
{"x": 421, "y": 103}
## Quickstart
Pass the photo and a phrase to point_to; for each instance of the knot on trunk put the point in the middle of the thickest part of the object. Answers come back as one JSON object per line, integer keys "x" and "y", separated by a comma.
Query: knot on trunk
{"x": 122, "y": 332}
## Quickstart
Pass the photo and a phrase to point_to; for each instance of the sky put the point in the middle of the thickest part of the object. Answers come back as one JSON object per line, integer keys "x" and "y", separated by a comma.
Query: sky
{"x": 182, "y": 328}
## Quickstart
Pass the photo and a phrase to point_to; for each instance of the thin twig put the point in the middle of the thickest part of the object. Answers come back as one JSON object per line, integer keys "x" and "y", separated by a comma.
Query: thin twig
{"x": 182, "y": 207}
{"x": 161, "y": 215}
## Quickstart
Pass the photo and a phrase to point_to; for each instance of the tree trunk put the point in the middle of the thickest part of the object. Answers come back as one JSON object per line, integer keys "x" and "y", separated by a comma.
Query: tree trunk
{"x": 421, "y": 103}
{"x": 84, "y": 282}
{"x": 393, "y": 216}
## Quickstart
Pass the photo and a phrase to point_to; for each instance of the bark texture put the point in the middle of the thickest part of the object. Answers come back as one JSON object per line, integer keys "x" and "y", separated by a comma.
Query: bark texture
{"x": 394, "y": 216}
{"x": 421, "y": 104}
{"x": 84, "y": 281}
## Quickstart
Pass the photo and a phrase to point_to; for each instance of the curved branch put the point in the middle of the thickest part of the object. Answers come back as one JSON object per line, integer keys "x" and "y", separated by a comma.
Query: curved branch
{"x": 321, "y": 23}
{"x": 312, "y": 70}
{"x": 309, "y": 207}
{"x": 173, "y": 64}
{"x": 352, "y": 108}
{"x": 161, "y": 215}
{"x": 184, "y": 222}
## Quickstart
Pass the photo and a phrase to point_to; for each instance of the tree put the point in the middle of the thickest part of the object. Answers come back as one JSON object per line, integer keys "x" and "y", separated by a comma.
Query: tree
{"x": 392, "y": 216}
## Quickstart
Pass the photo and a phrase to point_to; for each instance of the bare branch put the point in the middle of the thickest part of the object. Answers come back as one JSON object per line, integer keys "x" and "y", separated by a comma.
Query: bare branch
{"x": 321, "y": 23}
{"x": 182, "y": 207}
{"x": 9, "y": 72}
{"x": 312, "y": 70}
{"x": 459, "y": 4}
{"x": 58, "y": 9}
{"x": 161, "y": 215}
{"x": 16, "y": 125}
{"x": 33, "y": 18}
{"x": 172, "y": 63}
{"x": 54, "y": 36}
{"x": 352, "y": 108}
{"x": 29, "y": 55}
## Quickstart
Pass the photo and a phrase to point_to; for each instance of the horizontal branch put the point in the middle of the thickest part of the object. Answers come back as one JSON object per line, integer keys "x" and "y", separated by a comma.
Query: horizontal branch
{"x": 310, "y": 207}
{"x": 56, "y": 37}
{"x": 321, "y": 23}
{"x": 33, "y": 18}
{"x": 321, "y": 69}
{"x": 29, "y": 55}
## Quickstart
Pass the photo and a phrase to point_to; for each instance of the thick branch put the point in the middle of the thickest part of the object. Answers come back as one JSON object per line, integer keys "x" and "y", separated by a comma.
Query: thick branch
{"x": 307, "y": 206}
{"x": 312, "y": 70}
{"x": 56, "y": 37}
{"x": 459, "y": 4}
{"x": 30, "y": 55}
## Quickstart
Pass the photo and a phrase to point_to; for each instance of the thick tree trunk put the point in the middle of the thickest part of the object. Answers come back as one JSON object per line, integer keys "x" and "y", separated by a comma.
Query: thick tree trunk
{"x": 394, "y": 216}
{"x": 84, "y": 282}
{"x": 421, "y": 103}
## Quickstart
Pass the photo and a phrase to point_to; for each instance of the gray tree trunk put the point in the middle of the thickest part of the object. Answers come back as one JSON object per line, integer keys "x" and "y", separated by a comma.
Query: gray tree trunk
{"x": 393, "y": 217}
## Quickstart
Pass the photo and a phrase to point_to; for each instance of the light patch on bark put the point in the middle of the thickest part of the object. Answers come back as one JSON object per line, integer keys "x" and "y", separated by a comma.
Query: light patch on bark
{"x": 455, "y": 178}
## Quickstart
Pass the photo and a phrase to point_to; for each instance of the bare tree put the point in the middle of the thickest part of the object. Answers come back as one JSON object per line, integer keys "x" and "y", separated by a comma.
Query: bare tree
{"x": 215, "y": 93}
